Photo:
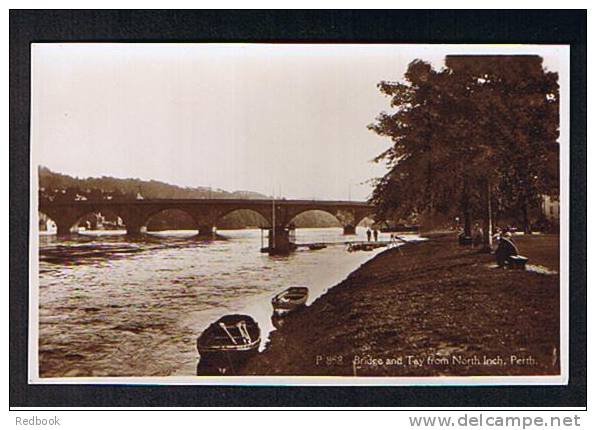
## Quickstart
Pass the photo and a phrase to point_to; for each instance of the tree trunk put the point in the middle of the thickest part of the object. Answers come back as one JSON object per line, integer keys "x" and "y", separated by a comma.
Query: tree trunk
{"x": 487, "y": 224}
{"x": 465, "y": 206}
{"x": 526, "y": 218}
{"x": 430, "y": 195}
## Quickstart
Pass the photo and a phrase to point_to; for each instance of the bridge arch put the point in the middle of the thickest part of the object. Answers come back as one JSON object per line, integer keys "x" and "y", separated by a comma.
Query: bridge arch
{"x": 252, "y": 217}
{"x": 361, "y": 217}
{"x": 67, "y": 218}
{"x": 46, "y": 224}
{"x": 307, "y": 216}
{"x": 100, "y": 218}
{"x": 170, "y": 218}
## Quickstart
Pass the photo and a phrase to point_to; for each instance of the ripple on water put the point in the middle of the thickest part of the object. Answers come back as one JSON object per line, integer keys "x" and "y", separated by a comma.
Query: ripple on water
{"x": 120, "y": 307}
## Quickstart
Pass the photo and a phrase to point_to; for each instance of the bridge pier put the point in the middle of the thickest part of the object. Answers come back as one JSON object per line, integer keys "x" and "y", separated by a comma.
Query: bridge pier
{"x": 279, "y": 243}
{"x": 206, "y": 231}
{"x": 349, "y": 229}
{"x": 135, "y": 230}
{"x": 63, "y": 229}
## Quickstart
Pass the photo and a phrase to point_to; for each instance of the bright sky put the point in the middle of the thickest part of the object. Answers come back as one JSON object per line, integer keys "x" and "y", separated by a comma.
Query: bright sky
{"x": 289, "y": 119}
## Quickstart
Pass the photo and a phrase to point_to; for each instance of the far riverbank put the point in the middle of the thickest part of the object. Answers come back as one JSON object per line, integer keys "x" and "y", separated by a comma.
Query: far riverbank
{"x": 428, "y": 309}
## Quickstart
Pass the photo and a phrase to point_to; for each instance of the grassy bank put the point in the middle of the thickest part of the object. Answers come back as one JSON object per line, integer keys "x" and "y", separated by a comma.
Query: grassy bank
{"x": 432, "y": 308}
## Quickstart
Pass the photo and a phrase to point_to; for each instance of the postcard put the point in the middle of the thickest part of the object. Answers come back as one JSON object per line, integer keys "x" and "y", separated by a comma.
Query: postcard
{"x": 299, "y": 214}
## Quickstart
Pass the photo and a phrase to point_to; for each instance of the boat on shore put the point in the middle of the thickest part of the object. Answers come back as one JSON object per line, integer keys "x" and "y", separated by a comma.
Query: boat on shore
{"x": 316, "y": 246}
{"x": 352, "y": 247}
{"x": 229, "y": 342}
{"x": 290, "y": 299}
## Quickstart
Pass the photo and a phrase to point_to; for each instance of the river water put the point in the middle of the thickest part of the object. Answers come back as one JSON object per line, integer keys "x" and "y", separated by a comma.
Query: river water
{"x": 114, "y": 306}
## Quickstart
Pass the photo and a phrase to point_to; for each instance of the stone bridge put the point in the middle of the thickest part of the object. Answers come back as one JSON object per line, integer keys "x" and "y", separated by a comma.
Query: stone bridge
{"x": 205, "y": 212}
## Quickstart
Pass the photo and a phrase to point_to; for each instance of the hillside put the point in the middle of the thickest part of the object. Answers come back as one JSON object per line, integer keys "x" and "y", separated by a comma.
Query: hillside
{"x": 50, "y": 181}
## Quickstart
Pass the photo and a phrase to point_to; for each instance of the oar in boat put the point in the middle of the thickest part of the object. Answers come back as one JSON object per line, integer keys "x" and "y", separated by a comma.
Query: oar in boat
{"x": 243, "y": 332}
{"x": 223, "y": 326}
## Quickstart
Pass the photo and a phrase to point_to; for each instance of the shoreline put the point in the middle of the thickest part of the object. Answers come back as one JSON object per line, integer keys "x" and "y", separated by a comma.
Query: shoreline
{"x": 430, "y": 308}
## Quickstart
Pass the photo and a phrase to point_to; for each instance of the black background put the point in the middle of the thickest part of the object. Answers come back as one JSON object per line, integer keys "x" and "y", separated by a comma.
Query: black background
{"x": 509, "y": 26}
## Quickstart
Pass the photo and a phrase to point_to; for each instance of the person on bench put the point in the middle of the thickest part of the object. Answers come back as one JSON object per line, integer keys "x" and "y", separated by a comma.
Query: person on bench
{"x": 505, "y": 249}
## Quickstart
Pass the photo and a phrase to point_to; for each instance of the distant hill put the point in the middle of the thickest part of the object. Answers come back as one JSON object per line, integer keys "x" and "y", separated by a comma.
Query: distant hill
{"x": 50, "y": 182}
{"x": 58, "y": 186}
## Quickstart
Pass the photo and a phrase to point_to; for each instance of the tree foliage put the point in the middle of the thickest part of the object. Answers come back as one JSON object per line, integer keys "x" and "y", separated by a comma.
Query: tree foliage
{"x": 482, "y": 129}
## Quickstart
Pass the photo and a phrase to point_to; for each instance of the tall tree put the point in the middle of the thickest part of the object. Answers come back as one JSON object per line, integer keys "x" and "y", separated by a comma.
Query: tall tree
{"x": 415, "y": 181}
{"x": 516, "y": 103}
{"x": 480, "y": 130}
{"x": 429, "y": 164}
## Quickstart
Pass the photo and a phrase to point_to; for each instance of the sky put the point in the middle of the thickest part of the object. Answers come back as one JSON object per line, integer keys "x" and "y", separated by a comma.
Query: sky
{"x": 289, "y": 120}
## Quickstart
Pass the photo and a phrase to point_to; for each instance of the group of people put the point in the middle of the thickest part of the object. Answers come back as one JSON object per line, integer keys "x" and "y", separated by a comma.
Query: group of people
{"x": 374, "y": 233}
{"x": 503, "y": 247}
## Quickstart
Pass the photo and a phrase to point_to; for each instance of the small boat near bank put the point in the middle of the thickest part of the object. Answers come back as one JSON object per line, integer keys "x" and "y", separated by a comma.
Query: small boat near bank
{"x": 290, "y": 299}
{"x": 229, "y": 341}
{"x": 352, "y": 247}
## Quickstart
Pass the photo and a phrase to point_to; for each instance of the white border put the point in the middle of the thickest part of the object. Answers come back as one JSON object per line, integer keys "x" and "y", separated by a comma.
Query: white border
{"x": 564, "y": 141}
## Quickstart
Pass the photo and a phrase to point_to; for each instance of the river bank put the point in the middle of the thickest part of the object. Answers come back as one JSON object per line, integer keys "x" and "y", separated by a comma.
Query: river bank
{"x": 427, "y": 309}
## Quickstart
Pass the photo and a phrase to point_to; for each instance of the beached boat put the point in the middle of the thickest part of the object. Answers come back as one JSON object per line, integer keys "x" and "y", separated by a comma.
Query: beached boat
{"x": 229, "y": 341}
{"x": 290, "y": 299}
{"x": 352, "y": 247}
{"x": 316, "y": 246}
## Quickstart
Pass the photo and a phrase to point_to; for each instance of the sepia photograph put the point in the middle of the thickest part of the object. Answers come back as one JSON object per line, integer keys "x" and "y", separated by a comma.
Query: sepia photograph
{"x": 299, "y": 214}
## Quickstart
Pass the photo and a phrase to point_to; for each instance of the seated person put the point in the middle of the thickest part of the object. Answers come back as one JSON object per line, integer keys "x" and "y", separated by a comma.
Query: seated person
{"x": 505, "y": 249}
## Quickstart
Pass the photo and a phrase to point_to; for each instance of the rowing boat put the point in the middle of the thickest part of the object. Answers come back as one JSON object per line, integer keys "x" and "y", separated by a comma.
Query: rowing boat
{"x": 290, "y": 299}
{"x": 229, "y": 341}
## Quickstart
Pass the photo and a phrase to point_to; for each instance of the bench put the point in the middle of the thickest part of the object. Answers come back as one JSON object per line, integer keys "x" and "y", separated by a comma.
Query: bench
{"x": 518, "y": 262}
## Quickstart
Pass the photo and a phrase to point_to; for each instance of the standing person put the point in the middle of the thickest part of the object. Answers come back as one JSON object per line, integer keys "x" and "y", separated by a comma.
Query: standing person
{"x": 478, "y": 235}
{"x": 368, "y": 233}
{"x": 376, "y": 234}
